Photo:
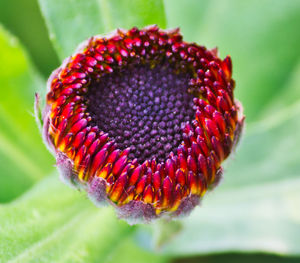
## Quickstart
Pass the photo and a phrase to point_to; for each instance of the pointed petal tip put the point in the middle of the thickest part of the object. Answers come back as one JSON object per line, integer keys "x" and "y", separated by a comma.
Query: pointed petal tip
{"x": 215, "y": 51}
{"x": 136, "y": 212}
{"x": 97, "y": 191}
{"x": 218, "y": 178}
{"x": 239, "y": 125}
{"x": 65, "y": 167}
{"x": 187, "y": 205}
{"x": 38, "y": 111}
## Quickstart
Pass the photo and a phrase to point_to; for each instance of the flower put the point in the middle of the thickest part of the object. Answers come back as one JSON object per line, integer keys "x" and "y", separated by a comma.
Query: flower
{"x": 142, "y": 120}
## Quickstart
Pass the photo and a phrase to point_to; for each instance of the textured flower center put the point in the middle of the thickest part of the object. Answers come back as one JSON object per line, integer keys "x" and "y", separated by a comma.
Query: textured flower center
{"x": 142, "y": 108}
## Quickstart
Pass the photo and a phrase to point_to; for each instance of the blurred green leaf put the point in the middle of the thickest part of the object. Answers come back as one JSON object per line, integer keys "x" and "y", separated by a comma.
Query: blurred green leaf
{"x": 53, "y": 223}
{"x": 238, "y": 258}
{"x": 24, "y": 20}
{"x": 72, "y": 21}
{"x": 261, "y": 36}
{"x": 289, "y": 94}
{"x": 23, "y": 157}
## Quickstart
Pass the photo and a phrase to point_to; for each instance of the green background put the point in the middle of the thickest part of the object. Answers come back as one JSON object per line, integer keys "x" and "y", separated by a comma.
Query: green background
{"x": 253, "y": 216}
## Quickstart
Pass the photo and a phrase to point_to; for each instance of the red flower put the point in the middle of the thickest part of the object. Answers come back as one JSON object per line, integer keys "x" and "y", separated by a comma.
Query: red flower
{"x": 142, "y": 120}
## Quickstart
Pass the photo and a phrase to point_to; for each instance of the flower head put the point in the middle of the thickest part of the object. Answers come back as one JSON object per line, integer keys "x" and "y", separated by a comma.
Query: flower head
{"x": 142, "y": 120}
